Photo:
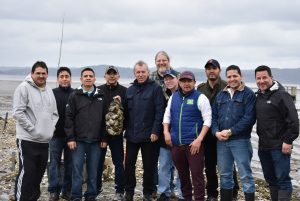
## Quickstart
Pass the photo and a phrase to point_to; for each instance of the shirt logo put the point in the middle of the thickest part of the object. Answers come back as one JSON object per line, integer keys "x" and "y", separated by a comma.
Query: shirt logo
{"x": 100, "y": 99}
{"x": 268, "y": 102}
{"x": 190, "y": 102}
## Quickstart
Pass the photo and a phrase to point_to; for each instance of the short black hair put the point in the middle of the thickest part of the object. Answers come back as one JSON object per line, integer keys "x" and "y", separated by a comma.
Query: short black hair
{"x": 39, "y": 64}
{"x": 264, "y": 68}
{"x": 87, "y": 69}
{"x": 63, "y": 68}
{"x": 234, "y": 67}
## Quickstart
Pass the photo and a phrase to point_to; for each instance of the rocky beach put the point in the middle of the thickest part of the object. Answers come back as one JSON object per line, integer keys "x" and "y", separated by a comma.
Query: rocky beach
{"x": 9, "y": 164}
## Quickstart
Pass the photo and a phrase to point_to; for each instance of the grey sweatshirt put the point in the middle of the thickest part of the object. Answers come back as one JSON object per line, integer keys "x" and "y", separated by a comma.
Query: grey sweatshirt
{"x": 35, "y": 112}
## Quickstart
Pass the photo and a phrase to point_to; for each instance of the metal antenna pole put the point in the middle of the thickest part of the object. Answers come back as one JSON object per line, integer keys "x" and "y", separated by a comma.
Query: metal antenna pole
{"x": 61, "y": 41}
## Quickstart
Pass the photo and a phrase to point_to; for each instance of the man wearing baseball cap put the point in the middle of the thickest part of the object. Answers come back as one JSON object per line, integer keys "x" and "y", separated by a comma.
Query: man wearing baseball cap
{"x": 111, "y": 89}
{"x": 186, "y": 121}
{"x": 211, "y": 88}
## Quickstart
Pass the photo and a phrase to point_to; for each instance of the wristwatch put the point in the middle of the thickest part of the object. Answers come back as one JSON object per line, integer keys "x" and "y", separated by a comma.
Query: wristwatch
{"x": 229, "y": 133}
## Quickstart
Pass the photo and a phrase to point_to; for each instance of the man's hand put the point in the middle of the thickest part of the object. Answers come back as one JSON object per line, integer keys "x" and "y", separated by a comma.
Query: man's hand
{"x": 72, "y": 145}
{"x": 168, "y": 138}
{"x": 223, "y": 135}
{"x": 195, "y": 146}
{"x": 103, "y": 145}
{"x": 118, "y": 97}
{"x": 286, "y": 148}
{"x": 153, "y": 137}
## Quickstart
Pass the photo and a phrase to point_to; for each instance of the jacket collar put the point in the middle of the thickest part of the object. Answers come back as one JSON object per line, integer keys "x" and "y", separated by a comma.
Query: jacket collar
{"x": 241, "y": 87}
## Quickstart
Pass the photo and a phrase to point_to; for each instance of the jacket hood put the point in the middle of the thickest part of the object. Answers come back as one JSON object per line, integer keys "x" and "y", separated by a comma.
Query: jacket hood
{"x": 30, "y": 81}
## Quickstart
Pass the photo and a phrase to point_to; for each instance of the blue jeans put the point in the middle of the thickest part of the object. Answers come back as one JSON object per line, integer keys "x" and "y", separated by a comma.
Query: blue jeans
{"x": 166, "y": 173}
{"x": 117, "y": 153}
{"x": 58, "y": 182}
{"x": 276, "y": 168}
{"x": 239, "y": 151}
{"x": 89, "y": 153}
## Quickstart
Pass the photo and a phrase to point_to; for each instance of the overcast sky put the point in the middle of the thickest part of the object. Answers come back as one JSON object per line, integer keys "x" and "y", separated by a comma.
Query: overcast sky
{"x": 120, "y": 32}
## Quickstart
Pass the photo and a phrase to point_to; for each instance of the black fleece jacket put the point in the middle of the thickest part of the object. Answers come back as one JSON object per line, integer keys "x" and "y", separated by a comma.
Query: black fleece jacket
{"x": 61, "y": 95}
{"x": 277, "y": 118}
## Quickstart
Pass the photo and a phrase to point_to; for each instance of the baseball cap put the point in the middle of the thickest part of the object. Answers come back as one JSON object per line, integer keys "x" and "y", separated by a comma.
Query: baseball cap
{"x": 111, "y": 68}
{"x": 171, "y": 73}
{"x": 187, "y": 75}
{"x": 212, "y": 62}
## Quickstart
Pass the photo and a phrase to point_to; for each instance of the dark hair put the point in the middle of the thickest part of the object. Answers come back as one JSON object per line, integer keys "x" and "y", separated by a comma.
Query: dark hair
{"x": 234, "y": 67}
{"x": 61, "y": 69}
{"x": 39, "y": 64}
{"x": 87, "y": 69}
{"x": 263, "y": 68}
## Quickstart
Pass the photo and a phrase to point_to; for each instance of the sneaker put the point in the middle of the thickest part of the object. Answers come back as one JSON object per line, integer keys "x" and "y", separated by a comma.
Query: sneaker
{"x": 54, "y": 197}
{"x": 118, "y": 196}
{"x": 163, "y": 197}
{"x": 128, "y": 197}
{"x": 210, "y": 198}
{"x": 66, "y": 195}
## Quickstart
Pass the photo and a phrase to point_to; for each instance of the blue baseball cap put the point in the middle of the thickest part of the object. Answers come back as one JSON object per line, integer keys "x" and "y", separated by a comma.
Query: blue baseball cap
{"x": 171, "y": 73}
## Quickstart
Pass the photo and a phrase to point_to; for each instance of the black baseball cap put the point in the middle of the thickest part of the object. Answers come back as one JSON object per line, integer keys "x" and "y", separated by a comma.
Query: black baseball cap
{"x": 111, "y": 68}
{"x": 212, "y": 62}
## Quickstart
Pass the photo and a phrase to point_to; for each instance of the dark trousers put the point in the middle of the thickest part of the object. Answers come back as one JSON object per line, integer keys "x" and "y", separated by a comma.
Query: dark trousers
{"x": 33, "y": 159}
{"x": 185, "y": 164}
{"x": 117, "y": 154}
{"x": 149, "y": 151}
{"x": 210, "y": 154}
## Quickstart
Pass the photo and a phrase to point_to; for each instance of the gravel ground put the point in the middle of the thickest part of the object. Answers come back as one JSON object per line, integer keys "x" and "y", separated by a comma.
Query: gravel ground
{"x": 8, "y": 173}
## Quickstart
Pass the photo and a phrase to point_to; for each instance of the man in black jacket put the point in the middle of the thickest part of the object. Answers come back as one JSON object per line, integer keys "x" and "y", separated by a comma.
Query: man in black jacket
{"x": 277, "y": 128}
{"x": 60, "y": 183}
{"x": 144, "y": 106}
{"x": 111, "y": 89}
{"x": 85, "y": 126}
{"x": 210, "y": 89}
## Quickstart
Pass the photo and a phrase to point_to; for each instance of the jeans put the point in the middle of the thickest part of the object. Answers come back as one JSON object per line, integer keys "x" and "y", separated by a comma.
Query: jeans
{"x": 149, "y": 151}
{"x": 58, "y": 182}
{"x": 117, "y": 153}
{"x": 187, "y": 164}
{"x": 239, "y": 151}
{"x": 166, "y": 173}
{"x": 89, "y": 153}
{"x": 276, "y": 168}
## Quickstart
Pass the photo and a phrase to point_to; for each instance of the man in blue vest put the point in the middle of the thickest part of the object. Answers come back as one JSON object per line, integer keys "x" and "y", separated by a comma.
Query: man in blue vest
{"x": 186, "y": 121}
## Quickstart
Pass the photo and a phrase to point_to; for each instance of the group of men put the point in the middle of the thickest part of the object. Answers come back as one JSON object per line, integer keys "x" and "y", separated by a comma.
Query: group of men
{"x": 180, "y": 130}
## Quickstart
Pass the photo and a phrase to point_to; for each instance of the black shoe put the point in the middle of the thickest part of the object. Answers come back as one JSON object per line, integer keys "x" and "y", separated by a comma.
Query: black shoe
{"x": 163, "y": 197}
{"x": 54, "y": 197}
{"x": 211, "y": 198}
{"x": 147, "y": 198}
{"x": 66, "y": 195}
{"x": 128, "y": 196}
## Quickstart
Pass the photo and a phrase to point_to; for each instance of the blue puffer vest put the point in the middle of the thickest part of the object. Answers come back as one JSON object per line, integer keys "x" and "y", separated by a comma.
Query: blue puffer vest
{"x": 186, "y": 119}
